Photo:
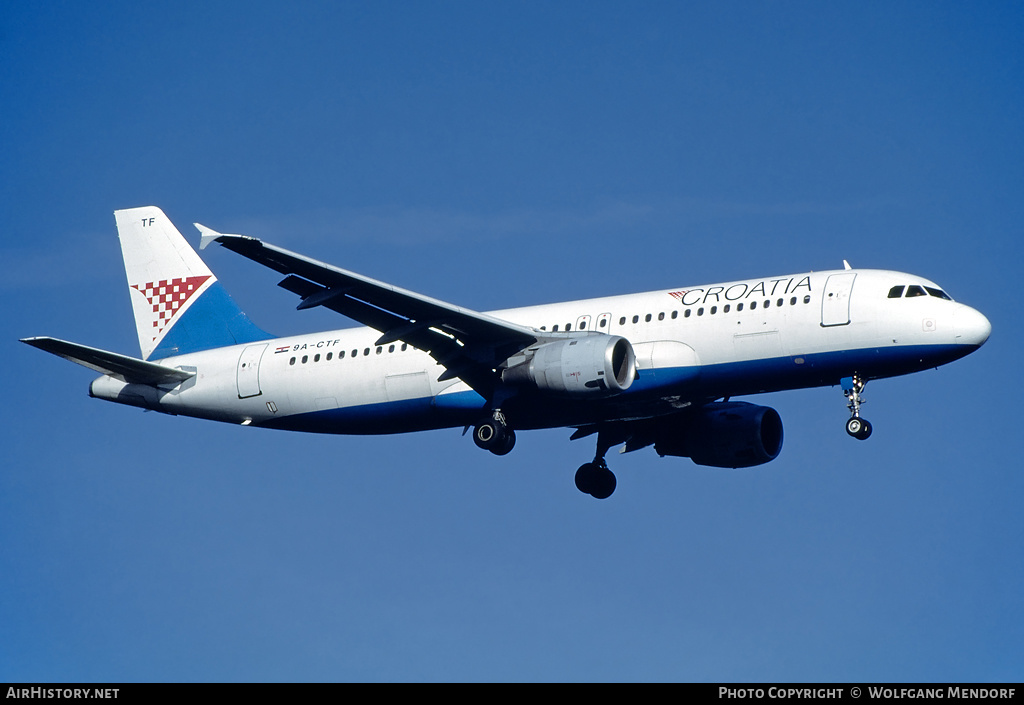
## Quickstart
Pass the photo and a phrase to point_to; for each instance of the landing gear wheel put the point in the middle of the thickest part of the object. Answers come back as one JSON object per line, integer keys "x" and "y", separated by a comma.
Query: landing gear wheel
{"x": 604, "y": 484}
{"x": 489, "y": 435}
{"x": 493, "y": 434}
{"x": 583, "y": 477}
{"x": 852, "y": 387}
{"x": 596, "y": 480}
{"x": 858, "y": 428}
{"x": 507, "y": 445}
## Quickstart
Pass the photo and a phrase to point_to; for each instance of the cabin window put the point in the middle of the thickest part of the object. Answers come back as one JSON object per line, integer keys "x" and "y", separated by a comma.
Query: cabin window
{"x": 675, "y": 315}
{"x": 404, "y": 346}
{"x": 366, "y": 352}
{"x": 687, "y": 314}
{"x": 316, "y": 358}
{"x": 622, "y": 321}
{"x": 554, "y": 328}
{"x": 636, "y": 319}
{"x": 647, "y": 318}
{"x": 807, "y": 299}
{"x": 661, "y": 316}
{"x": 725, "y": 309}
{"x": 341, "y": 355}
{"x": 700, "y": 311}
{"x": 792, "y": 301}
{"x": 305, "y": 359}
{"x": 330, "y": 356}
{"x": 568, "y": 326}
{"x": 767, "y": 303}
{"x": 292, "y": 361}
{"x": 780, "y": 302}
{"x": 583, "y": 324}
{"x": 896, "y": 292}
{"x": 380, "y": 349}
{"x": 714, "y": 310}
{"x": 753, "y": 305}
{"x": 739, "y": 307}
{"x": 603, "y": 322}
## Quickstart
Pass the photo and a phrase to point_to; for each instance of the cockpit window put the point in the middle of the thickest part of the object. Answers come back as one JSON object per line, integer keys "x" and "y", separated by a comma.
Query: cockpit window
{"x": 917, "y": 290}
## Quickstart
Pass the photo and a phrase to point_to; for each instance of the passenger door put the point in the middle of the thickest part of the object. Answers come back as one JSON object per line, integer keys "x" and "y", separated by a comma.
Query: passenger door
{"x": 248, "y": 375}
{"x": 835, "y": 300}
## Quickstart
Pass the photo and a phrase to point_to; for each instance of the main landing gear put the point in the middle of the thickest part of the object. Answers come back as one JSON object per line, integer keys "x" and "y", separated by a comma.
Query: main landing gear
{"x": 494, "y": 434}
{"x": 595, "y": 478}
{"x": 856, "y": 426}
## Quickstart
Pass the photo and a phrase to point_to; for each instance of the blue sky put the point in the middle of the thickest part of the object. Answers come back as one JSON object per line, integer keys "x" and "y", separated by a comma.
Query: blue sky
{"x": 494, "y": 155}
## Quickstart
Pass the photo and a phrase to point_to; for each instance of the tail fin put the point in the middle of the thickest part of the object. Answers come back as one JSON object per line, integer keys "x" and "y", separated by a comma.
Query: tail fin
{"x": 179, "y": 305}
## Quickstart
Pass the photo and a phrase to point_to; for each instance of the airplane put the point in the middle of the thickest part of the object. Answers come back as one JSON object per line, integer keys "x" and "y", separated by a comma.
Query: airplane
{"x": 654, "y": 369}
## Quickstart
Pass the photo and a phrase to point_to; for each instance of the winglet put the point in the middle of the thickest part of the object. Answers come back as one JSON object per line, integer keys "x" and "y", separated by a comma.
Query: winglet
{"x": 846, "y": 265}
{"x": 209, "y": 235}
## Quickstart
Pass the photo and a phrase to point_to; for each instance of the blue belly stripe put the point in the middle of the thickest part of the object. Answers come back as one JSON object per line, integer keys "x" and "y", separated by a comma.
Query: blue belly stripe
{"x": 698, "y": 383}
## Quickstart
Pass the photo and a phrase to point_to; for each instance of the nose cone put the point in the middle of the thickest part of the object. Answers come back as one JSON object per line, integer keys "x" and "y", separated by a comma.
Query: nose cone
{"x": 972, "y": 328}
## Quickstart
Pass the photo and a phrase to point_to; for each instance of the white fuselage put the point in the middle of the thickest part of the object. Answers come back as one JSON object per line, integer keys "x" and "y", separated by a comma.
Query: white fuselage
{"x": 692, "y": 345}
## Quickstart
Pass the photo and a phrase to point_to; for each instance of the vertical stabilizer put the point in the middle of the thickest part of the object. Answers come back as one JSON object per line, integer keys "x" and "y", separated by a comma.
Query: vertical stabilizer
{"x": 179, "y": 305}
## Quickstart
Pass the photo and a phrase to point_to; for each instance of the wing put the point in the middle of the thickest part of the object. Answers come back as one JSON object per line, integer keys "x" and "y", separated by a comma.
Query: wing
{"x": 130, "y": 369}
{"x": 470, "y": 345}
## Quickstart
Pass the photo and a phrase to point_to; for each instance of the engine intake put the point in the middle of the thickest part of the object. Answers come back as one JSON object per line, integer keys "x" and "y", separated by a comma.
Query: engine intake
{"x": 591, "y": 365}
{"x": 724, "y": 435}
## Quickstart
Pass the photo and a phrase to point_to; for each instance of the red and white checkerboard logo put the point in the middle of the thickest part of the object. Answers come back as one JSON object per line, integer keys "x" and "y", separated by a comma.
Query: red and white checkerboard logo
{"x": 167, "y": 297}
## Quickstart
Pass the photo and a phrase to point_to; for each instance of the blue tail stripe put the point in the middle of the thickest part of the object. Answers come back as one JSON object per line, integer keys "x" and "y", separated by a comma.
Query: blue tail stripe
{"x": 212, "y": 321}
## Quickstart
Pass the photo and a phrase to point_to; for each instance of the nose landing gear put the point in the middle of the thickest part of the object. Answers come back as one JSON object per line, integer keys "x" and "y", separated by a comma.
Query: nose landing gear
{"x": 856, "y": 426}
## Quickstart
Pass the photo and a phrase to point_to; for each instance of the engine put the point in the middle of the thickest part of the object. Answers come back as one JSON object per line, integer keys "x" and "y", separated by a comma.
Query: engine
{"x": 591, "y": 365}
{"x": 724, "y": 435}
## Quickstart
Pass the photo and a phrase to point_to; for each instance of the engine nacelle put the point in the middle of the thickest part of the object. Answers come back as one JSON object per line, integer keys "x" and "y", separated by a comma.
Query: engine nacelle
{"x": 724, "y": 435}
{"x": 588, "y": 365}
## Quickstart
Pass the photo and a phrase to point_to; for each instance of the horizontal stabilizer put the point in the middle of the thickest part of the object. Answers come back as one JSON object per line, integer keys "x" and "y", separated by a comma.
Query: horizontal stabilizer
{"x": 131, "y": 369}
